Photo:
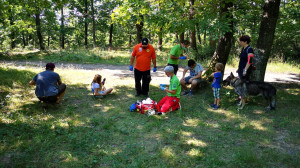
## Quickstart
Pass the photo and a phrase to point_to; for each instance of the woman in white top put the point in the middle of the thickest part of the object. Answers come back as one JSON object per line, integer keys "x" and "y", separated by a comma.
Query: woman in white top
{"x": 98, "y": 88}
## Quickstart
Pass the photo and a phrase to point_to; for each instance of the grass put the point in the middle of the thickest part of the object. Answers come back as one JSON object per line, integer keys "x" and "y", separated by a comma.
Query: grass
{"x": 87, "y": 132}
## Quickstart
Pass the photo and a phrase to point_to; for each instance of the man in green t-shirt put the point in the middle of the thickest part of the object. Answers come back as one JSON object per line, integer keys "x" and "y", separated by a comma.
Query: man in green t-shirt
{"x": 171, "y": 101}
{"x": 176, "y": 54}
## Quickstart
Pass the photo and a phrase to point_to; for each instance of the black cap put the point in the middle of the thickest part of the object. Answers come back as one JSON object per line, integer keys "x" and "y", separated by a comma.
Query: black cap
{"x": 50, "y": 66}
{"x": 144, "y": 41}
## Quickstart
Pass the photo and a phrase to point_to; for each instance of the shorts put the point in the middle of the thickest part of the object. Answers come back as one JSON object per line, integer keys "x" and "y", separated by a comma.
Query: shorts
{"x": 216, "y": 93}
{"x": 52, "y": 99}
{"x": 189, "y": 77}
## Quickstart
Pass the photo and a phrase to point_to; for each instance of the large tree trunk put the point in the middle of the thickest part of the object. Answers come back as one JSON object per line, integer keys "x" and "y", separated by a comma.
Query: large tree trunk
{"x": 110, "y": 35}
{"x": 222, "y": 51}
{"x": 48, "y": 41}
{"x": 62, "y": 28}
{"x": 193, "y": 31}
{"x": 38, "y": 30}
{"x": 139, "y": 31}
{"x": 86, "y": 24}
{"x": 266, "y": 37}
{"x": 93, "y": 22}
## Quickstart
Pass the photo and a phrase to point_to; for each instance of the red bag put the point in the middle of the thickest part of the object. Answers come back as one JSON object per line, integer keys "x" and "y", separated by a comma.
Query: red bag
{"x": 146, "y": 106}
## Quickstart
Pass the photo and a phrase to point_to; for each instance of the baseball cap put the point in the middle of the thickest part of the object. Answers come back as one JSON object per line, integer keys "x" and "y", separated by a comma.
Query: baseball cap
{"x": 144, "y": 41}
{"x": 169, "y": 69}
{"x": 50, "y": 66}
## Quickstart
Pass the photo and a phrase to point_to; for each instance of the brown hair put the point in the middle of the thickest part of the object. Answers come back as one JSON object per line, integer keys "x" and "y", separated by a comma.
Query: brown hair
{"x": 97, "y": 79}
{"x": 219, "y": 66}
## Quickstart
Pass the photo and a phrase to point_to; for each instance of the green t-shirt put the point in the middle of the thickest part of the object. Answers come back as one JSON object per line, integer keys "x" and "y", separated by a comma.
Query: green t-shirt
{"x": 175, "y": 85}
{"x": 176, "y": 52}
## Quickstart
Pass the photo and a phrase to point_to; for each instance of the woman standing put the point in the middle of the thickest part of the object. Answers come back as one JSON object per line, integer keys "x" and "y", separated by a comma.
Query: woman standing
{"x": 246, "y": 58}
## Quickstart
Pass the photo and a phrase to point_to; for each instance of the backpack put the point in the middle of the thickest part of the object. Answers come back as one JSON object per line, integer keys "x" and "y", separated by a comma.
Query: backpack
{"x": 255, "y": 59}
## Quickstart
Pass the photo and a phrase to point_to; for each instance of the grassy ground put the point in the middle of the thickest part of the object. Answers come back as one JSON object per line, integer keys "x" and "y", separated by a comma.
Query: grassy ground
{"x": 87, "y": 132}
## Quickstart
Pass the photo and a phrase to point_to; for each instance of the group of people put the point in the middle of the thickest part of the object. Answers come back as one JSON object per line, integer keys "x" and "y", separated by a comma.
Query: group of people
{"x": 49, "y": 87}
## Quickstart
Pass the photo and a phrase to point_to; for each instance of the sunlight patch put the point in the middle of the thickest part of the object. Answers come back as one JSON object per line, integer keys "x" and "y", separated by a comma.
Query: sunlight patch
{"x": 196, "y": 142}
{"x": 195, "y": 152}
{"x": 168, "y": 152}
{"x": 186, "y": 133}
{"x": 191, "y": 122}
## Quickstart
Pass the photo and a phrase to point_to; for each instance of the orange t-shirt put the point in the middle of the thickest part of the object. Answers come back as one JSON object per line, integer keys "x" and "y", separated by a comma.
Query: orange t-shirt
{"x": 143, "y": 57}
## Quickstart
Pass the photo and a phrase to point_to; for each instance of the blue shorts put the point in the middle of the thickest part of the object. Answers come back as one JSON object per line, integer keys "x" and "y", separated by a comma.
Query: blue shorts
{"x": 217, "y": 93}
{"x": 189, "y": 77}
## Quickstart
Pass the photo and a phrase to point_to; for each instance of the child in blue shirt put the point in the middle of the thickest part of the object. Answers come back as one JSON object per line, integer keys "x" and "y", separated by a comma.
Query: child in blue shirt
{"x": 216, "y": 85}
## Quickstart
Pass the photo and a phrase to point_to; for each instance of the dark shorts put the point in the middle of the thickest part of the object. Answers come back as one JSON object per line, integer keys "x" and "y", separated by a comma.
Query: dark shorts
{"x": 189, "y": 77}
{"x": 52, "y": 99}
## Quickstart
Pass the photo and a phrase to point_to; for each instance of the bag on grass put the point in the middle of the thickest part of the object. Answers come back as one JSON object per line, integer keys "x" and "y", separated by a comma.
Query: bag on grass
{"x": 144, "y": 107}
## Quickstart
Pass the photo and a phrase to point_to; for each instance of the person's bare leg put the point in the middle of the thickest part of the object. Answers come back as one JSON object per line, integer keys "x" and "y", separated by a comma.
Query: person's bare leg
{"x": 108, "y": 91}
{"x": 60, "y": 96}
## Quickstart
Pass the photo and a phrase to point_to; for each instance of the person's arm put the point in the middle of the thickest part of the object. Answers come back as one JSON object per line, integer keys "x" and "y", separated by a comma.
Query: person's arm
{"x": 198, "y": 76}
{"x": 170, "y": 91}
{"x": 32, "y": 82}
{"x": 250, "y": 61}
{"x": 154, "y": 62}
{"x": 212, "y": 75}
{"x": 184, "y": 72}
{"x": 173, "y": 57}
{"x": 131, "y": 60}
{"x": 96, "y": 92}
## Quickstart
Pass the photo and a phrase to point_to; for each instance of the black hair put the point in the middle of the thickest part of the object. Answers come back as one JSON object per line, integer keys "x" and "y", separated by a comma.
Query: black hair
{"x": 191, "y": 62}
{"x": 245, "y": 38}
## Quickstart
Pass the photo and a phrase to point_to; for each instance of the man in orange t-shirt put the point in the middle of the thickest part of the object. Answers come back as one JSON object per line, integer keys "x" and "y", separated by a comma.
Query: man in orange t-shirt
{"x": 143, "y": 53}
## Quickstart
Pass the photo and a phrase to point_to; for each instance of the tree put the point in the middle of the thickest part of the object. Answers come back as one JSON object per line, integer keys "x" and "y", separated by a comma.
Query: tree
{"x": 266, "y": 37}
{"x": 222, "y": 51}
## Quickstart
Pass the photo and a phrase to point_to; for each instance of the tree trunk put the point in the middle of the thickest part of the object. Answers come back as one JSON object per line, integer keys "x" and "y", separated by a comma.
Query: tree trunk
{"x": 86, "y": 24}
{"x": 130, "y": 40}
{"x": 110, "y": 35}
{"x": 93, "y": 22}
{"x": 222, "y": 51}
{"x": 12, "y": 34}
{"x": 24, "y": 40}
{"x": 266, "y": 37}
{"x": 204, "y": 38}
{"x": 160, "y": 40}
{"x": 62, "y": 27}
{"x": 139, "y": 32}
{"x": 181, "y": 37}
{"x": 38, "y": 30}
{"x": 193, "y": 31}
{"x": 48, "y": 41}
{"x": 198, "y": 33}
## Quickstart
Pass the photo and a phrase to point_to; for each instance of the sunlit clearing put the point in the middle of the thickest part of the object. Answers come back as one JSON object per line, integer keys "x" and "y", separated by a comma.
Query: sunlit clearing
{"x": 168, "y": 152}
{"x": 196, "y": 142}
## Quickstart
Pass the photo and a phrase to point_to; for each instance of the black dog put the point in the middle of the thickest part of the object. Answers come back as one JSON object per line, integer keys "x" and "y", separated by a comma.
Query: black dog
{"x": 252, "y": 88}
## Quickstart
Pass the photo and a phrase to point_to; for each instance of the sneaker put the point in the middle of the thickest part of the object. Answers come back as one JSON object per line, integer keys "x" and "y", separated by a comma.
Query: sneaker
{"x": 186, "y": 93}
{"x": 160, "y": 113}
{"x": 191, "y": 93}
{"x": 216, "y": 107}
{"x": 212, "y": 105}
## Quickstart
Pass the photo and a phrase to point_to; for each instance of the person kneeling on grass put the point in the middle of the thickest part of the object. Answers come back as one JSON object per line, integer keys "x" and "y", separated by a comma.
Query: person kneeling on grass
{"x": 49, "y": 87}
{"x": 171, "y": 101}
{"x": 98, "y": 88}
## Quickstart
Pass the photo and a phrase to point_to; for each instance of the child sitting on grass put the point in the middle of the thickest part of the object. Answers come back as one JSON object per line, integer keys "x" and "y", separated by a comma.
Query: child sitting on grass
{"x": 216, "y": 85}
{"x": 98, "y": 86}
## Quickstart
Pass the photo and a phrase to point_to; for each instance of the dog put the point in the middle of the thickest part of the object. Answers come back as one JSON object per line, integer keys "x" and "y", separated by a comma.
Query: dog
{"x": 252, "y": 88}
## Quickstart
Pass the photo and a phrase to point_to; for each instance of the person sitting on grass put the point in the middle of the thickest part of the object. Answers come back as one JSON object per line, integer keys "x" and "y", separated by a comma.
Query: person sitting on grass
{"x": 98, "y": 86}
{"x": 194, "y": 79}
{"x": 171, "y": 101}
{"x": 216, "y": 85}
{"x": 49, "y": 87}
